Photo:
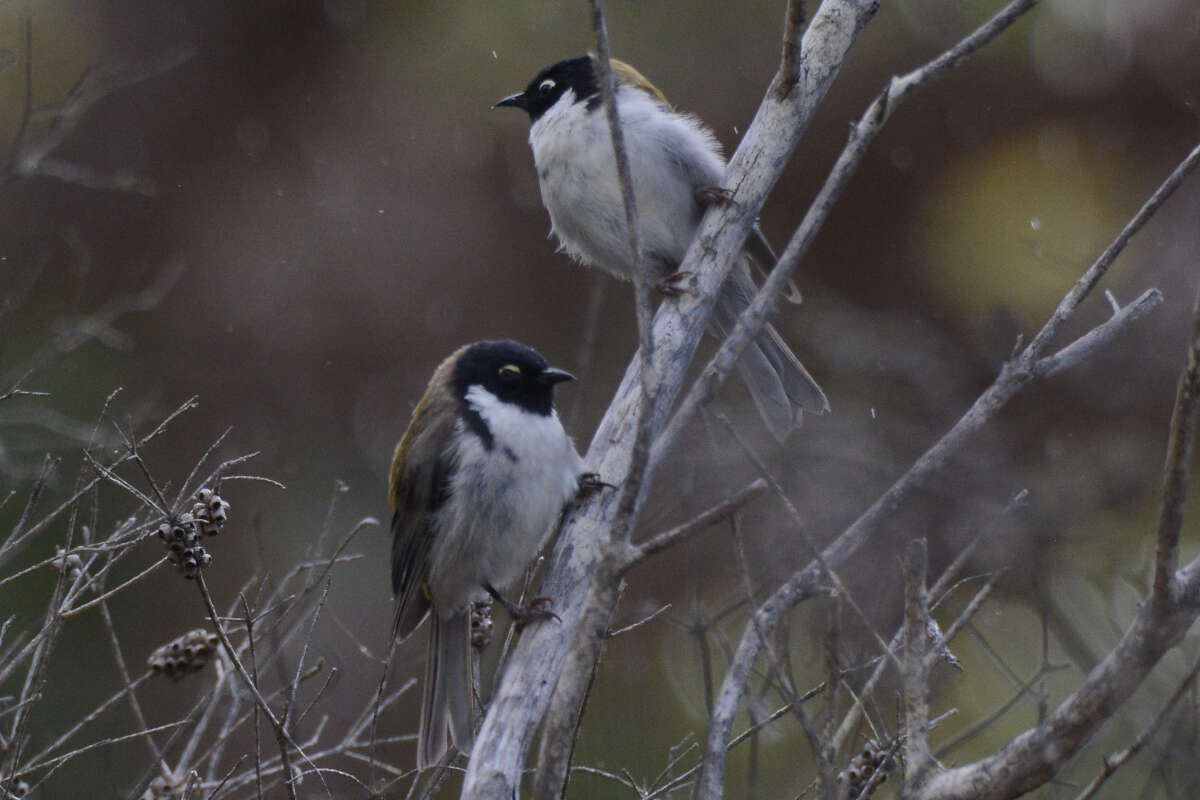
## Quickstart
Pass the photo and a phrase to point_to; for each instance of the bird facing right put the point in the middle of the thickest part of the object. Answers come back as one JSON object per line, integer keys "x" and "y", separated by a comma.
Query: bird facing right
{"x": 677, "y": 169}
{"x": 477, "y": 481}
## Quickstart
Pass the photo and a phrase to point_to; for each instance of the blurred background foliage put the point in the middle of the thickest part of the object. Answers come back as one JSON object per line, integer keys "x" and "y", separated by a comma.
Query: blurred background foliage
{"x": 341, "y": 208}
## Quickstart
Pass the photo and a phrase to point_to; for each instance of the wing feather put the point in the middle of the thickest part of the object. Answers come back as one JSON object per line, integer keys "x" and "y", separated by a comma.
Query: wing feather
{"x": 422, "y": 470}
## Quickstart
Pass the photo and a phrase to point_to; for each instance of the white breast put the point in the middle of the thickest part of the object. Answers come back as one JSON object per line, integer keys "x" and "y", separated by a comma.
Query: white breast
{"x": 503, "y": 500}
{"x": 670, "y": 156}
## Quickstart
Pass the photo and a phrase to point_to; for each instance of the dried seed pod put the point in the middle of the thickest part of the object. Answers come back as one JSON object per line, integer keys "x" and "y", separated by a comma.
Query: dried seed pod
{"x": 184, "y": 654}
{"x": 210, "y": 512}
{"x": 14, "y": 789}
{"x": 183, "y": 536}
{"x": 863, "y": 768}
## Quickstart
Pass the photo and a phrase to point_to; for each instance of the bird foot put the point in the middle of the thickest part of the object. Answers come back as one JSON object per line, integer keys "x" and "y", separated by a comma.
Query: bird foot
{"x": 538, "y": 609}
{"x": 590, "y": 484}
{"x": 677, "y": 283}
{"x": 713, "y": 195}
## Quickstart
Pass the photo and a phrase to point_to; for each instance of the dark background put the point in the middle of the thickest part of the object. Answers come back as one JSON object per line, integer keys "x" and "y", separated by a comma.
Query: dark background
{"x": 345, "y": 209}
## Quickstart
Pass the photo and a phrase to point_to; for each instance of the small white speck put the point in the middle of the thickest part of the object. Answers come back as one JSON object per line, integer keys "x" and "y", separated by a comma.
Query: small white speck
{"x": 872, "y": 412}
{"x": 735, "y": 131}
{"x": 380, "y": 211}
{"x": 1035, "y": 223}
{"x": 494, "y": 55}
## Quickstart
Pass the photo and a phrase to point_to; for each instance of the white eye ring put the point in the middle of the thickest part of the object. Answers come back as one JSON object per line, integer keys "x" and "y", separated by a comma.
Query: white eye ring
{"x": 546, "y": 85}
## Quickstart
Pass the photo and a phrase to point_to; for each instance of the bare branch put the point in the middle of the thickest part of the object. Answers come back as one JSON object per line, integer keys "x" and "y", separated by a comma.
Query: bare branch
{"x": 281, "y": 734}
{"x": 1089, "y": 279}
{"x": 1114, "y": 762}
{"x": 79, "y": 609}
{"x": 1179, "y": 458}
{"x": 635, "y": 554}
{"x": 612, "y": 634}
{"x": 1099, "y": 337}
{"x": 641, "y": 282}
{"x": 10, "y": 547}
{"x": 916, "y": 666}
{"x": 1037, "y": 754}
{"x": 631, "y": 489}
{"x": 58, "y": 761}
{"x": 17, "y": 391}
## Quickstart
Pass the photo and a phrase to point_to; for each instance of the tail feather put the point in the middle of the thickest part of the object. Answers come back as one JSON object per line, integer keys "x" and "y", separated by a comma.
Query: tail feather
{"x": 779, "y": 384}
{"x": 799, "y": 386}
{"x": 767, "y": 391}
{"x": 446, "y": 708}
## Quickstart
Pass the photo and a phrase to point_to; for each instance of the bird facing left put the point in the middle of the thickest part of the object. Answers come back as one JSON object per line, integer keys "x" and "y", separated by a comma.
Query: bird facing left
{"x": 676, "y": 169}
{"x": 477, "y": 481}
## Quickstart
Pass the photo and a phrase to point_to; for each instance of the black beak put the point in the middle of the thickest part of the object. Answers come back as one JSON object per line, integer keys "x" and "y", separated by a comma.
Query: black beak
{"x": 553, "y": 375}
{"x": 517, "y": 100}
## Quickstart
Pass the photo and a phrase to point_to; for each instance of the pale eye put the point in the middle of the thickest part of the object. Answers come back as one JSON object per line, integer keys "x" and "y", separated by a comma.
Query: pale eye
{"x": 510, "y": 373}
{"x": 546, "y": 85}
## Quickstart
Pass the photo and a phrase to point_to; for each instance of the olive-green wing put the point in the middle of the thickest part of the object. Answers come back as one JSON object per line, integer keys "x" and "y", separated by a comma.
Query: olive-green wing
{"x": 421, "y": 476}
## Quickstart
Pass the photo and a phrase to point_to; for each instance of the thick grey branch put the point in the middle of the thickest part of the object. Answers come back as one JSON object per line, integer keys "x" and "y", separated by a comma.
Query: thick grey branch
{"x": 538, "y": 659}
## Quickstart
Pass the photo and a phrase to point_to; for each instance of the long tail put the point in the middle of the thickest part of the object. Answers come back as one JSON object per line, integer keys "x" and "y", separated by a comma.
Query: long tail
{"x": 446, "y": 708}
{"x": 779, "y": 384}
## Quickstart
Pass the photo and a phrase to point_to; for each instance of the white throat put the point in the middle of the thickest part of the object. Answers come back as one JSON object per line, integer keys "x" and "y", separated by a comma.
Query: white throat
{"x": 522, "y": 432}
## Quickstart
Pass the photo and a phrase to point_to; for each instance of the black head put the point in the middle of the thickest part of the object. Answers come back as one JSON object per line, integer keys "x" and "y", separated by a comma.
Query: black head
{"x": 512, "y": 372}
{"x": 544, "y": 90}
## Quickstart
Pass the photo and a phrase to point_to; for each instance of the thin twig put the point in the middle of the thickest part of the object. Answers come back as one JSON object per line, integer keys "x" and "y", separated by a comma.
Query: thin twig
{"x": 134, "y": 704}
{"x": 58, "y": 761}
{"x": 249, "y": 622}
{"x": 281, "y": 734}
{"x": 635, "y": 554}
{"x": 79, "y": 609}
{"x": 1099, "y": 337}
{"x": 1087, "y": 282}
